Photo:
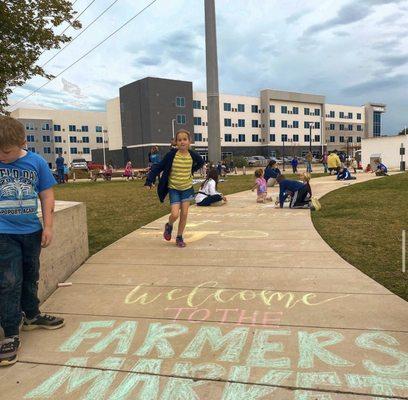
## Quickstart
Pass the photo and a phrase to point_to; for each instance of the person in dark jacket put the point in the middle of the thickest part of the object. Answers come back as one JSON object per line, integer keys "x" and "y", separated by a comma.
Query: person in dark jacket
{"x": 177, "y": 168}
{"x": 271, "y": 173}
{"x": 294, "y": 164}
{"x": 344, "y": 175}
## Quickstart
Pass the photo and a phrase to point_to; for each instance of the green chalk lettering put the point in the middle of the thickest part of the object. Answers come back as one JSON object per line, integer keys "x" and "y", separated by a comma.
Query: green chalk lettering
{"x": 233, "y": 341}
{"x": 150, "y": 388}
{"x": 310, "y": 347}
{"x": 260, "y": 346}
{"x": 183, "y": 388}
{"x": 367, "y": 341}
{"x": 379, "y": 385}
{"x": 124, "y": 334}
{"x": 313, "y": 379}
{"x": 157, "y": 338}
{"x": 83, "y": 333}
{"x": 77, "y": 377}
{"x": 240, "y": 391}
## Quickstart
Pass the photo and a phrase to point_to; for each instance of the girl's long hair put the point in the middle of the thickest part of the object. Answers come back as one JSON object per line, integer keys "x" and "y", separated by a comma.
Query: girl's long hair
{"x": 212, "y": 174}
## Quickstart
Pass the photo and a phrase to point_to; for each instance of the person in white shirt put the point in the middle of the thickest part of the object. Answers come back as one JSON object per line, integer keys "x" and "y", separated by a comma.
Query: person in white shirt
{"x": 208, "y": 194}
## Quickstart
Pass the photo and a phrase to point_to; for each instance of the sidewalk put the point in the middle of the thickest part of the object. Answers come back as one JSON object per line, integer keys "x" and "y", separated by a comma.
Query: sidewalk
{"x": 257, "y": 306}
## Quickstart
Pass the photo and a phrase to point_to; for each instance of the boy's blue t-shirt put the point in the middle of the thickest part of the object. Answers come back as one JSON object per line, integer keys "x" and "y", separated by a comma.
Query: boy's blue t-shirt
{"x": 20, "y": 184}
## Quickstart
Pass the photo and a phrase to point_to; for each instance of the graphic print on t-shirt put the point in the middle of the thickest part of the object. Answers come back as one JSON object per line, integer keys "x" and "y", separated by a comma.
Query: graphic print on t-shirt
{"x": 17, "y": 192}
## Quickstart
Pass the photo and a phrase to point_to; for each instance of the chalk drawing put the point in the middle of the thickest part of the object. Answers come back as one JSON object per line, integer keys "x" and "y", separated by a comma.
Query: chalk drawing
{"x": 189, "y": 236}
{"x": 195, "y": 224}
{"x": 313, "y": 379}
{"x": 245, "y": 234}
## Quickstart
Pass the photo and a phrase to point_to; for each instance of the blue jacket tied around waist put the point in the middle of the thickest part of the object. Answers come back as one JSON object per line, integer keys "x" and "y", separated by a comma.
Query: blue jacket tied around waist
{"x": 165, "y": 167}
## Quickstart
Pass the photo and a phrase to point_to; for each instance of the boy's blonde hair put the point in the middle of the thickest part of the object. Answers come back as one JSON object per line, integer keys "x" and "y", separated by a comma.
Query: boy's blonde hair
{"x": 184, "y": 131}
{"x": 258, "y": 173}
{"x": 306, "y": 176}
{"x": 12, "y": 132}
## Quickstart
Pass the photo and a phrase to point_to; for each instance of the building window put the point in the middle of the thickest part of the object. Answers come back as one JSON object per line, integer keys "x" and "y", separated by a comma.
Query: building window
{"x": 341, "y": 139}
{"x": 32, "y": 149}
{"x": 241, "y": 137}
{"x": 227, "y": 121}
{"x": 255, "y": 138}
{"x": 255, "y": 123}
{"x": 86, "y": 150}
{"x": 332, "y": 114}
{"x": 332, "y": 139}
{"x": 227, "y": 106}
{"x": 85, "y": 139}
{"x": 284, "y": 109}
{"x": 197, "y": 120}
{"x": 72, "y": 128}
{"x": 307, "y": 138}
{"x": 254, "y": 108}
{"x": 46, "y": 139}
{"x": 58, "y": 150}
{"x": 284, "y": 137}
{"x": 358, "y": 116}
{"x": 198, "y": 137}
{"x": 341, "y": 127}
{"x": 72, "y": 139}
{"x": 84, "y": 128}
{"x": 350, "y": 127}
{"x": 284, "y": 124}
{"x": 272, "y": 137}
{"x": 341, "y": 114}
{"x": 295, "y": 124}
{"x": 241, "y": 123}
{"x": 30, "y": 138}
{"x": 295, "y": 110}
{"x": 306, "y": 124}
{"x": 57, "y": 139}
{"x": 47, "y": 150}
{"x": 377, "y": 123}
{"x": 29, "y": 126}
{"x": 272, "y": 123}
{"x": 98, "y": 128}
{"x": 317, "y": 125}
{"x": 57, "y": 128}
{"x": 271, "y": 108}
{"x": 73, "y": 150}
{"x": 307, "y": 111}
{"x": 332, "y": 127}
{"x": 241, "y": 107}
{"x": 180, "y": 101}
{"x": 45, "y": 127}
{"x": 359, "y": 128}
{"x": 317, "y": 138}
{"x": 295, "y": 138}
{"x": 350, "y": 139}
{"x": 181, "y": 118}
{"x": 228, "y": 137}
{"x": 358, "y": 139}
{"x": 99, "y": 140}
{"x": 350, "y": 115}
{"x": 317, "y": 111}
{"x": 197, "y": 104}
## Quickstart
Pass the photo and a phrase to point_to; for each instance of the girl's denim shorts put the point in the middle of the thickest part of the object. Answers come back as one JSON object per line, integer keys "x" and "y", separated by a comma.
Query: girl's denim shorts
{"x": 180, "y": 196}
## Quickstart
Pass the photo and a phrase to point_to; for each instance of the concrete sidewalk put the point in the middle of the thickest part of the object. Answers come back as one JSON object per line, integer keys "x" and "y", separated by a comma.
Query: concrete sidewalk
{"x": 257, "y": 306}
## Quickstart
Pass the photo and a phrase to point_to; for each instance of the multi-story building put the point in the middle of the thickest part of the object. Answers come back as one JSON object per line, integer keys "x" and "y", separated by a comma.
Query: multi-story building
{"x": 74, "y": 134}
{"x": 276, "y": 123}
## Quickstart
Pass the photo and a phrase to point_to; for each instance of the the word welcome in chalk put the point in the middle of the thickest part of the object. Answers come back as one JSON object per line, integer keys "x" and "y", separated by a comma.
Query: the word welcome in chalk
{"x": 238, "y": 356}
{"x": 207, "y": 291}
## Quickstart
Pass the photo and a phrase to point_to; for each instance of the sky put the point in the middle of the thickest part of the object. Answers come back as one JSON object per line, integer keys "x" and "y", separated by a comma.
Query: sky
{"x": 353, "y": 52}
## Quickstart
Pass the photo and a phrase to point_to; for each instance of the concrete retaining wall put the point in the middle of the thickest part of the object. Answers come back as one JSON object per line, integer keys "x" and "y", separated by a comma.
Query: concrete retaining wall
{"x": 69, "y": 248}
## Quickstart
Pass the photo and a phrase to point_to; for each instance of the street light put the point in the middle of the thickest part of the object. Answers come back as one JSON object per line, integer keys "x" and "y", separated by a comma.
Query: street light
{"x": 103, "y": 149}
{"x": 310, "y": 136}
{"x": 283, "y": 153}
{"x": 173, "y": 121}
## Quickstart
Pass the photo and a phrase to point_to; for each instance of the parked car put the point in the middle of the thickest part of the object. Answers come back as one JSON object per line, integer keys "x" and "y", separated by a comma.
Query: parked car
{"x": 93, "y": 165}
{"x": 79, "y": 163}
{"x": 257, "y": 161}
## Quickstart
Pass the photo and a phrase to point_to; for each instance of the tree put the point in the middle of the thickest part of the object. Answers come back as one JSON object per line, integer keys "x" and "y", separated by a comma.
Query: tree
{"x": 27, "y": 29}
{"x": 403, "y": 132}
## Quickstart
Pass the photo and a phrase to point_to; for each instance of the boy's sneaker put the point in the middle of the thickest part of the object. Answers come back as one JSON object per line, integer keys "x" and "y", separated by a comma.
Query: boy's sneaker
{"x": 9, "y": 350}
{"x": 180, "y": 242}
{"x": 316, "y": 204}
{"x": 43, "y": 321}
{"x": 167, "y": 231}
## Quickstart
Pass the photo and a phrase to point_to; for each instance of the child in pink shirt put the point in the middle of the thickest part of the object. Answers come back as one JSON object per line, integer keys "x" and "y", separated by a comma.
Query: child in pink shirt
{"x": 261, "y": 188}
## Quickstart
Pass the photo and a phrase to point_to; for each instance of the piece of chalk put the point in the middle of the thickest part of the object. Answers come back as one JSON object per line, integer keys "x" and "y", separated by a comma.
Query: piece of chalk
{"x": 63, "y": 284}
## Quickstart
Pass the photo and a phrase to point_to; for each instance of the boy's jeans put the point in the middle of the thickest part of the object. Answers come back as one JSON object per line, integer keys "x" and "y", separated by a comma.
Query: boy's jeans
{"x": 19, "y": 274}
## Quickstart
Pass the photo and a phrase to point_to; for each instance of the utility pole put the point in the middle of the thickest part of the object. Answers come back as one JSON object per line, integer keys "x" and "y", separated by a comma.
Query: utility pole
{"x": 213, "y": 101}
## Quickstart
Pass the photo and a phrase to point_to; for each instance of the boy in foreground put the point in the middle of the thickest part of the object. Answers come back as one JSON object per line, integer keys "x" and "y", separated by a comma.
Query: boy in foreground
{"x": 24, "y": 176}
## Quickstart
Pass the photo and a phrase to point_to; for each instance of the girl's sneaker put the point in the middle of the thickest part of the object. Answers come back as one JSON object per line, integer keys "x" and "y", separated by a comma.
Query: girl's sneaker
{"x": 316, "y": 204}
{"x": 9, "y": 350}
{"x": 167, "y": 231}
{"x": 180, "y": 242}
{"x": 43, "y": 321}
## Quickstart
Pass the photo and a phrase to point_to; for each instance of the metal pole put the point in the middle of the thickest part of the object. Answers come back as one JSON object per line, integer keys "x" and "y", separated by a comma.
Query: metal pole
{"x": 310, "y": 137}
{"x": 103, "y": 150}
{"x": 213, "y": 102}
{"x": 321, "y": 133}
{"x": 403, "y": 251}
{"x": 173, "y": 121}
{"x": 283, "y": 155}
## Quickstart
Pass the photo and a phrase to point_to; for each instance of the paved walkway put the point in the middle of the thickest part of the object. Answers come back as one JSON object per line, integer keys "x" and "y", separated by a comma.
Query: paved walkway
{"x": 257, "y": 306}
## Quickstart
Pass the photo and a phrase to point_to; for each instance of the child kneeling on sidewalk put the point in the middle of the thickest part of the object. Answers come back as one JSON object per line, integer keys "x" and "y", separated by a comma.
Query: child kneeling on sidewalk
{"x": 24, "y": 176}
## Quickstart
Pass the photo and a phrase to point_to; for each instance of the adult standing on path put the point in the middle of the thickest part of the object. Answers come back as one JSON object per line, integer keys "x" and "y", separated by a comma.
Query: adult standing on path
{"x": 309, "y": 159}
{"x": 294, "y": 164}
{"x": 60, "y": 168}
{"x": 324, "y": 162}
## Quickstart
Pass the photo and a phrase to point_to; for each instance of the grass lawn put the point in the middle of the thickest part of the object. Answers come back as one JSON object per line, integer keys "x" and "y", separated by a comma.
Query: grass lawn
{"x": 363, "y": 224}
{"x": 117, "y": 208}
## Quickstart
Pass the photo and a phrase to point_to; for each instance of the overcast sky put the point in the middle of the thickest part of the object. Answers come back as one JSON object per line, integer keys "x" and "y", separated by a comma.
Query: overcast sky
{"x": 352, "y": 52}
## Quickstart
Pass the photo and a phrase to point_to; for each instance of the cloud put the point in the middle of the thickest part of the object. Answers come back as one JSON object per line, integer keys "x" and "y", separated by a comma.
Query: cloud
{"x": 147, "y": 60}
{"x": 298, "y": 15}
{"x": 376, "y": 85}
{"x": 341, "y": 33}
{"x": 390, "y": 19}
{"x": 394, "y": 61}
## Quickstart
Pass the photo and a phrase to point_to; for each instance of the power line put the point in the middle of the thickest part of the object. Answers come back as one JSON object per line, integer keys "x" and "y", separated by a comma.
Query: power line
{"x": 82, "y": 31}
{"x": 76, "y": 18}
{"x": 88, "y": 52}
